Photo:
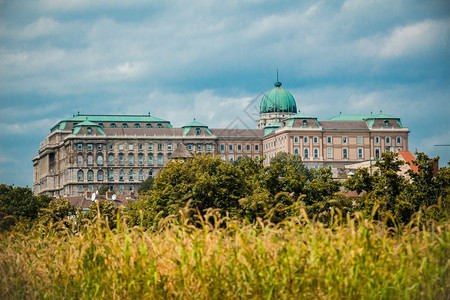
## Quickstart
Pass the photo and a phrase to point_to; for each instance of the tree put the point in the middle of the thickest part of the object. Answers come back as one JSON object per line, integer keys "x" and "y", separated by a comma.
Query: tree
{"x": 58, "y": 210}
{"x": 104, "y": 209}
{"x": 19, "y": 203}
{"x": 103, "y": 189}
{"x": 146, "y": 185}
{"x": 206, "y": 181}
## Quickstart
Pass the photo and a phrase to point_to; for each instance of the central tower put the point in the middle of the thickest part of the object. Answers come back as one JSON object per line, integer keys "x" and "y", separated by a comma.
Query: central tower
{"x": 276, "y": 105}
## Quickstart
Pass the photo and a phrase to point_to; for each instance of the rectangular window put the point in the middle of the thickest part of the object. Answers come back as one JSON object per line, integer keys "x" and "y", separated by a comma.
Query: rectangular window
{"x": 222, "y": 147}
{"x": 305, "y": 140}
{"x": 230, "y": 147}
{"x": 388, "y": 140}
{"x": 208, "y": 147}
{"x": 377, "y": 140}
{"x": 344, "y": 140}
{"x": 230, "y": 157}
{"x": 141, "y": 159}
{"x": 239, "y": 147}
{"x": 110, "y": 146}
{"x": 329, "y": 152}
{"x": 199, "y": 147}
{"x": 120, "y": 146}
{"x": 360, "y": 140}
{"x": 150, "y": 159}
{"x": 90, "y": 188}
{"x": 223, "y": 157}
{"x": 256, "y": 147}
{"x": 130, "y": 146}
{"x": 121, "y": 188}
{"x": 360, "y": 153}
{"x": 111, "y": 175}
{"x": 150, "y": 146}
{"x": 169, "y": 147}
{"x": 344, "y": 153}
{"x": 89, "y": 146}
{"x": 329, "y": 140}
{"x": 80, "y": 187}
{"x": 189, "y": 147}
{"x": 160, "y": 146}
{"x": 99, "y": 147}
{"x": 140, "y": 146}
{"x": 248, "y": 147}
{"x": 160, "y": 159}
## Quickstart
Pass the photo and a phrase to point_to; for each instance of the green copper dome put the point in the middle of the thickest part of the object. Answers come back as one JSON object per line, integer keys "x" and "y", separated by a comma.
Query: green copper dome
{"x": 278, "y": 100}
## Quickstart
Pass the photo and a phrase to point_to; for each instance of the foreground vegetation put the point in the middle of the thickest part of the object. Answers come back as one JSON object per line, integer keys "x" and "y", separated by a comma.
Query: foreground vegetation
{"x": 211, "y": 230}
{"x": 217, "y": 259}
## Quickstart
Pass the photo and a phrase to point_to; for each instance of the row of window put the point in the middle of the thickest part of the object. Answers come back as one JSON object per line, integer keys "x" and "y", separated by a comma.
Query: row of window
{"x": 110, "y": 173}
{"x": 238, "y": 147}
{"x": 329, "y": 152}
{"x": 91, "y": 188}
{"x": 345, "y": 140}
{"x": 231, "y": 157}
{"x": 121, "y": 158}
{"x": 126, "y": 125}
{"x": 130, "y": 146}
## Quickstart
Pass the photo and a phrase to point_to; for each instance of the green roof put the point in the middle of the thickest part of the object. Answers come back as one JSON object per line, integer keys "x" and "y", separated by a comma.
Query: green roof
{"x": 278, "y": 100}
{"x": 300, "y": 115}
{"x": 187, "y": 128}
{"x": 117, "y": 118}
{"x": 271, "y": 127}
{"x": 382, "y": 116}
{"x": 349, "y": 117}
{"x": 87, "y": 123}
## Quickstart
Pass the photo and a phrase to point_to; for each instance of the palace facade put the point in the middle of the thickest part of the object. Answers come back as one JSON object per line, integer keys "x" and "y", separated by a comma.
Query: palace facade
{"x": 84, "y": 152}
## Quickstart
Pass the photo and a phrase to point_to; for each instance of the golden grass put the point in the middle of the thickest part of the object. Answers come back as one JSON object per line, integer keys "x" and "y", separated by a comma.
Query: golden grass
{"x": 222, "y": 259}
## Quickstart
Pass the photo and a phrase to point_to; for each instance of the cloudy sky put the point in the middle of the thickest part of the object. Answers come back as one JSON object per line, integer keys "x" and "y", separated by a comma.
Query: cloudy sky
{"x": 212, "y": 60}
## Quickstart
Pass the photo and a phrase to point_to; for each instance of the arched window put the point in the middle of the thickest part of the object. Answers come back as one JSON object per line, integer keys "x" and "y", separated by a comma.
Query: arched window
{"x": 124, "y": 125}
{"x": 90, "y": 175}
{"x": 141, "y": 175}
{"x": 100, "y": 175}
{"x": 316, "y": 153}
{"x": 197, "y": 131}
{"x": 141, "y": 159}
{"x": 137, "y": 125}
{"x": 121, "y": 175}
{"x": 150, "y": 173}
{"x": 150, "y": 159}
{"x": 148, "y": 125}
{"x": 296, "y": 139}
{"x": 100, "y": 160}
{"x": 306, "y": 153}
{"x": 305, "y": 140}
{"x": 111, "y": 159}
{"x": 111, "y": 175}
{"x": 130, "y": 159}
{"x": 296, "y": 151}
{"x": 130, "y": 174}
{"x": 388, "y": 140}
{"x": 386, "y": 123}
{"x": 90, "y": 159}
{"x": 113, "y": 125}
{"x": 80, "y": 175}
{"x": 316, "y": 140}
{"x": 377, "y": 153}
{"x": 120, "y": 159}
{"x": 79, "y": 159}
{"x": 100, "y": 124}
{"x": 399, "y": 140}
{"x": 159, "y": 126}
{"x": 304, "y": 123}
{"x": 89, "y": 130}
{"x": 160, "y": 159}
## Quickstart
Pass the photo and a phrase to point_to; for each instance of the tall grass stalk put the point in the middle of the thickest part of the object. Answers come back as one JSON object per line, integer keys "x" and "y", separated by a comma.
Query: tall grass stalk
{"x": 222, "y": 259}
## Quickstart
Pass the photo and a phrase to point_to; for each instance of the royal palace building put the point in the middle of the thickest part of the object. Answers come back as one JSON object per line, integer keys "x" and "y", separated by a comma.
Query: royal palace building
{"x": 84, "y": 152}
